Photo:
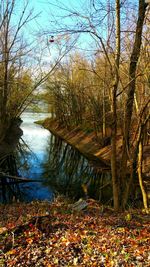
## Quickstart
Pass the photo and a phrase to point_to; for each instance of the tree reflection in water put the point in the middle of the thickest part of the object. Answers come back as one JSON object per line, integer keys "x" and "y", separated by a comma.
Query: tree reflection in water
{"x": 9, "y": 188}
{"x": 62, "y": 169}
{"x": 70, "y": 173}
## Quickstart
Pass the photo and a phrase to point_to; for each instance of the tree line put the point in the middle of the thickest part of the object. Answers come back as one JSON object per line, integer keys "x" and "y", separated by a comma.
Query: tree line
{"x": 110, "y": 92}
{"x": 107, "y": 92}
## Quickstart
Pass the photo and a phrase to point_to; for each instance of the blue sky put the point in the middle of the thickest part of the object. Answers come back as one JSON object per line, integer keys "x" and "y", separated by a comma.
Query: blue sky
{"x": 47, "y": 11}
{"x": 45, "y": 8}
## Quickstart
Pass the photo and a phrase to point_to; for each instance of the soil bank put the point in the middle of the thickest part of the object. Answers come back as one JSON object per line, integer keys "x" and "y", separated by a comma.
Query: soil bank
{"x": 84, "y": 142}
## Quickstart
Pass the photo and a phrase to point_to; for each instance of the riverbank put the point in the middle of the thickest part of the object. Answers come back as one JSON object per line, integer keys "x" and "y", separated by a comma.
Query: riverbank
{"x": 53, "y": 234}
{"x": 85, "y": 143}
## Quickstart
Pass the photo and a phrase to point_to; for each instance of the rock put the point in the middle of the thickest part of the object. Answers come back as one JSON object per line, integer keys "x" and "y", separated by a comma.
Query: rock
{"x": 79, "y": 205}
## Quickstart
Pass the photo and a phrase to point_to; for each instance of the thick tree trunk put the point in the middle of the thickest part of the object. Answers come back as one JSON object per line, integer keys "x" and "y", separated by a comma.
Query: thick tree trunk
{"x": 130, "y": 94}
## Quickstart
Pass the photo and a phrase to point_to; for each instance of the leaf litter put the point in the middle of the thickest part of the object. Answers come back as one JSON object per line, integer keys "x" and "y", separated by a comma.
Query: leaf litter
{"x": 53, "y": 235}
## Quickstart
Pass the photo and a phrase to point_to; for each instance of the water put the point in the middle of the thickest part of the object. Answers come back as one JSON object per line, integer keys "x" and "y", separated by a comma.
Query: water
{"x": 37, "y": 140}
{"x": 35, "y": 135}
{"x": 49, "y": 159}
{"x": 59, "y": 166}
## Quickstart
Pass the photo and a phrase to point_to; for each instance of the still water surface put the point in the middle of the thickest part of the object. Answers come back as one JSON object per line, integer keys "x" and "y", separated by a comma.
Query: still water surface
{"x": 60, "y": 167}
{"x": 56, "y": 165}
{"x": 37, "y": 140}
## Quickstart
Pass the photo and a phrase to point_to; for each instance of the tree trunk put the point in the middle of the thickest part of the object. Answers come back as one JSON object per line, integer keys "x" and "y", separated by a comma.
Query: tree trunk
{"x": 115, "y": 181}
{"x": 144, "y": 195}
{"x": 130, "y": 94}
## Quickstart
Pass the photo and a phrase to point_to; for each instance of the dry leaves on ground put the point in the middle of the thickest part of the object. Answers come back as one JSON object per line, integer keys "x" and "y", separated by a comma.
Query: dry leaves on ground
{"x": 51, "y": 234}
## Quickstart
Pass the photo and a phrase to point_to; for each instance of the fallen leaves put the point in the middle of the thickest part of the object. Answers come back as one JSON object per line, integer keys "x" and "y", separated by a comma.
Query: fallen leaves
{"x": 2, "y": 230}
{"x": 49, "y": 234}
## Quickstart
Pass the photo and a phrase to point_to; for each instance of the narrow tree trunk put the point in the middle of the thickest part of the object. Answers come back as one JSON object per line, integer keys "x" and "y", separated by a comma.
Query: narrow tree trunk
{"x": 5, "y": 87}
{"x": 104, "y": 115}
{"x": 144, "y": 195}
{"x": 115, "y": 181}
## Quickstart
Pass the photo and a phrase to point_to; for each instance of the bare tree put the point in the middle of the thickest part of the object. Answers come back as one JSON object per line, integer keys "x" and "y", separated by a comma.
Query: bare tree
{"x": 24, "y": 66}
{"x": 122, "y": 64}
{"x": 12, "y": 49}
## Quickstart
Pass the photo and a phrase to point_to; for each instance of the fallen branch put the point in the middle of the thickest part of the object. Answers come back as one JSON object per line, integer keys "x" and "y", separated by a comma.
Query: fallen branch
{"x": 21, "y": 179}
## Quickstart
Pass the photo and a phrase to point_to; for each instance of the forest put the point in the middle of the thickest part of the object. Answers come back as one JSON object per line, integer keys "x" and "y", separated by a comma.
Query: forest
{"x": 90, "y": 67}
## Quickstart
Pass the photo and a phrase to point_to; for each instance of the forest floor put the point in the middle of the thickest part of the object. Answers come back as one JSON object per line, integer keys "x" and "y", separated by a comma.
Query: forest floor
{"x": 54, "y": 234}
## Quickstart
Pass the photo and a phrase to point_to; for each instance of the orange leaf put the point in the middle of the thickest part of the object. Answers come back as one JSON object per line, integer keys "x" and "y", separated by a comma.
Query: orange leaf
{"x": 29, "y": 240}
